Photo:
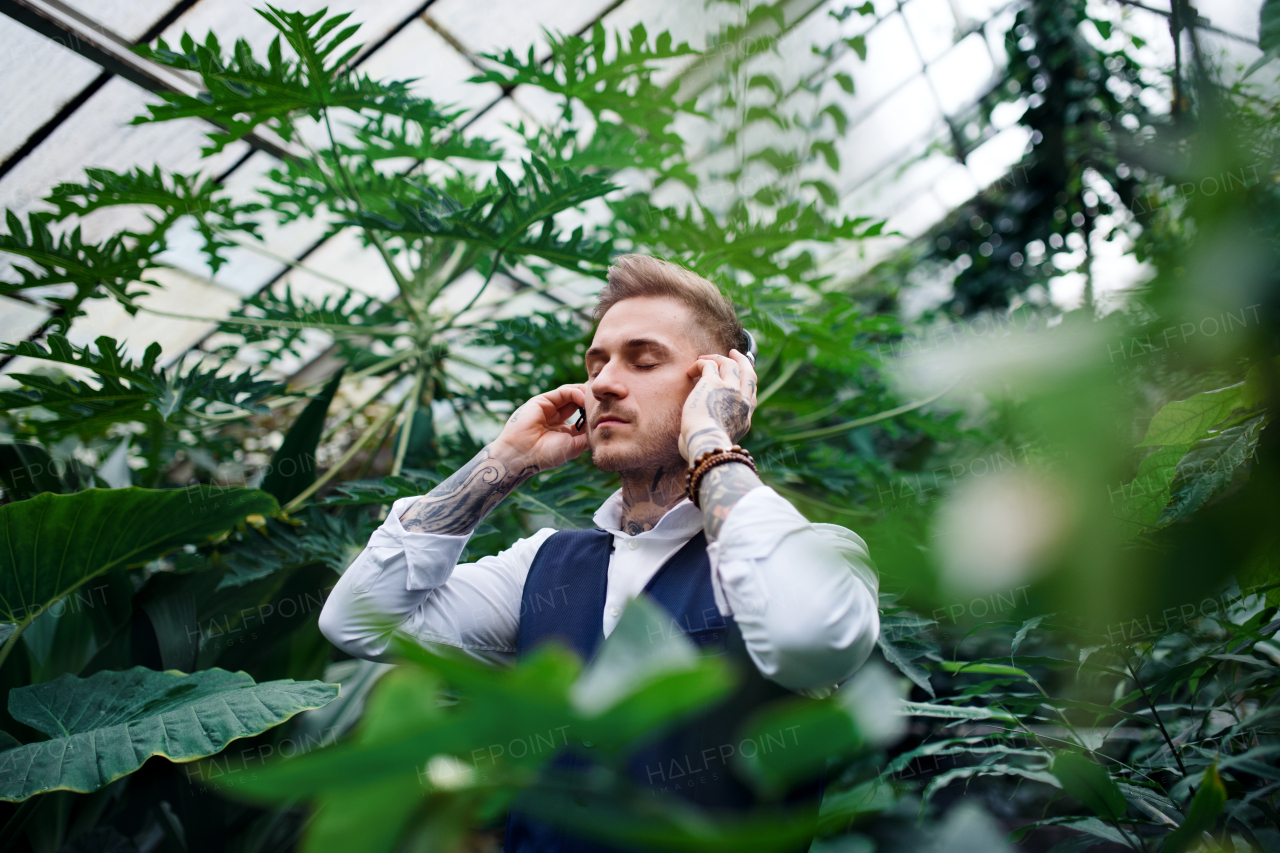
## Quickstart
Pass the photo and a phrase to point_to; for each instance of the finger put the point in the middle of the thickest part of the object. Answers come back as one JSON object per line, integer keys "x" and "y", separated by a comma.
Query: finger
{"x": 748, "y": 372}
{"x": 559, "y": 404}
{"x": 730, "y": 372}
{"x": 566, "y": 395}
{"x": 710, "y": 368}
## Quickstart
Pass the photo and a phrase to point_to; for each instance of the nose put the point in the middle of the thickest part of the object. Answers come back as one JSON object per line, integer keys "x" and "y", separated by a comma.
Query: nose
{"x": 609, "y": 382}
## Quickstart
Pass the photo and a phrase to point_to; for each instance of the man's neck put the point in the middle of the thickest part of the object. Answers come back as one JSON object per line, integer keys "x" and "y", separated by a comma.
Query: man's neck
{"x": 647, "y": 494}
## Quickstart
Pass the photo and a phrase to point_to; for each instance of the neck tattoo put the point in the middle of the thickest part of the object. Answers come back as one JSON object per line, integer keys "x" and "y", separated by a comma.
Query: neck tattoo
{"x": 648, "y": 494}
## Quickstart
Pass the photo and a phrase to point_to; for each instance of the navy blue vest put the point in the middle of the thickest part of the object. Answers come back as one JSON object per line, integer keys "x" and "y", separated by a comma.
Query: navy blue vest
{"x": 564, "y": 598}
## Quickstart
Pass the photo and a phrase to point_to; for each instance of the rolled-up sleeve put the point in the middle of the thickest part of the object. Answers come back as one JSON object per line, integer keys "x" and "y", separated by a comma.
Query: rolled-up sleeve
{"x": 412, "y": 582}
{"x": 805, "y": 596}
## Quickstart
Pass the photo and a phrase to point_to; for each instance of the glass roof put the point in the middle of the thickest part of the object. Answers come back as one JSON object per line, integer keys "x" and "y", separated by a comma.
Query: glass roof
{"x": 928, "y": 61}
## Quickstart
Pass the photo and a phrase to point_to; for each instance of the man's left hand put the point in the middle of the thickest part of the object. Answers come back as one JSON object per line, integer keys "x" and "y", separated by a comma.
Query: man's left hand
{"x": 718, "y": 410}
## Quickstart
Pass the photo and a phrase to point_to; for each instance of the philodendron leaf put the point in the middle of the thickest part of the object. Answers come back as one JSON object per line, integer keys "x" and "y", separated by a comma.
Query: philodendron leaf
{"x": 1091, "y": 784}
{"x": 1206, "y": 805}
{"x": 105, "y": 726}
{"x": 54, "y": 543}
{"x": 1186, "y": 421}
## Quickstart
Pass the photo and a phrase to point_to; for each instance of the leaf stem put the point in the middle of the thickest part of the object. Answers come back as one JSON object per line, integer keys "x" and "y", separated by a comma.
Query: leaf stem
{"x": 407, "y": 427}
{"x": 346, "y": 457}
{"x": 825, "y": 432}
{"x": 1159, "y": 722}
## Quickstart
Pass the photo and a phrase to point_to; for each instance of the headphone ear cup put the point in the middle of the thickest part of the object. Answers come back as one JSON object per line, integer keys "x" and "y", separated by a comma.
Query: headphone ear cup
{"x": 750, "y": 349}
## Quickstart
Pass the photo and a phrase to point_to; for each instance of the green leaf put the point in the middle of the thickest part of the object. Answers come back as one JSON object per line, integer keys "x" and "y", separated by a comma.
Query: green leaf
{"x": 1091, "y": 784}
{"x": 844, "y": 80}
{"x": 385, "y": 491}
{"x": 956, "y": 712}
{"x": 859, "y": 46}
{"x": 1206, "y": 805}
{"x": 501, "y": 219}
{"x": 1186, "y": 421}
{"x": 898, "y": 655}
{"x": 293, "y": 466}
{"x": 105, "y": 726}
{"x": 793, "y": 742}
{"x": 94, "y": 270}
{"x": 126, "y": 390}
{"x": 172, "y": 195}
{"x": 828, "y": 151}
{"x": 939, "y": 782}
{"x": 241, "y": 93}
{"x": 1143, "y": 499}
{"x": 1104, "y": 27}
{"x": 54, "y": 543}
{"x": 1209, "y": 466}
{"x": 958, "y": 667}
{"x": 1026, "y": 628}
{"x": 1268, "y": 34}
{"x": 27, "y": 469}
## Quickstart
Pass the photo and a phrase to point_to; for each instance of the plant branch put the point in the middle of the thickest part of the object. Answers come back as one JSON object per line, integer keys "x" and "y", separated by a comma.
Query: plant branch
{"x": 1154, "y": 713}
{"x": 346, "y": 457}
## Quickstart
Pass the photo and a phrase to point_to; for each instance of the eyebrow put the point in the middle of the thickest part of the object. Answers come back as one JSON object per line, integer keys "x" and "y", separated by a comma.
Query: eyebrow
{"x": 635, "y": 343}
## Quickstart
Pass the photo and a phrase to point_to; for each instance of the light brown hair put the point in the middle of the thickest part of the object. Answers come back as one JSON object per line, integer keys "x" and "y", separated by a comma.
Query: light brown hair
{"x": 631, "y": 276}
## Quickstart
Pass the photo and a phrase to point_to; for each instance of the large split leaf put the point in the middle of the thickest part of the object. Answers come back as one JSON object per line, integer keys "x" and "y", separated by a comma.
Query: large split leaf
{"x": 126, "y": 390}
{"x": 172, "y": 195}
{"x": 105, "y": 726}
{"x": 242, "y": 93}
{"x": 502, "y": 218}
{"x": 90, "y": 268}
{"x": 54, "y": 543}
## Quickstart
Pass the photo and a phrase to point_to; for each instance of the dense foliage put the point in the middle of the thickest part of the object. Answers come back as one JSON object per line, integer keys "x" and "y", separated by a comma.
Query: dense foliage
{"x": 1074, "y": 515}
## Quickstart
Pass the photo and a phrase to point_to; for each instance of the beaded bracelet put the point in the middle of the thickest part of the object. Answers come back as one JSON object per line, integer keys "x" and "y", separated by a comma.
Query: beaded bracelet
{"x": 706, "y": 461}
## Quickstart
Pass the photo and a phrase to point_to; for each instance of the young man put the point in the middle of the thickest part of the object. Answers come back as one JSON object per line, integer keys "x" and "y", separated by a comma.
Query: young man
{"x": 742, "y": 572}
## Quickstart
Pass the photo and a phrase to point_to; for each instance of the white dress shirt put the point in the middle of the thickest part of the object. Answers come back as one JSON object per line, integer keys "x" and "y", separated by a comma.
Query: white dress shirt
{"x": 803, "y": 595}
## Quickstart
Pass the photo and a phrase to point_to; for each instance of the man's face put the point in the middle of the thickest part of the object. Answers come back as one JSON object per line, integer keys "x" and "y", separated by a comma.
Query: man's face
{"x": 637, "y": 382}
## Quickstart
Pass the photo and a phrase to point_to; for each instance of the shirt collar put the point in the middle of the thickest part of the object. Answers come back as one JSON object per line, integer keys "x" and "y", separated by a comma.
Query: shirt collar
{"x": 680, "y": 522}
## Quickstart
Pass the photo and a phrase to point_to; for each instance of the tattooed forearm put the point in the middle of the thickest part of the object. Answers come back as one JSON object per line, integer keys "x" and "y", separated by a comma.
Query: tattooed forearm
{"x": 718, "y": 491}
{"x": 458, "y": 504}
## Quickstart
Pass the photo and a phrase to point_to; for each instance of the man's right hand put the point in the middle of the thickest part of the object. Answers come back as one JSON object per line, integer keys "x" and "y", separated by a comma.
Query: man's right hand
{"x": 536, "y": 433}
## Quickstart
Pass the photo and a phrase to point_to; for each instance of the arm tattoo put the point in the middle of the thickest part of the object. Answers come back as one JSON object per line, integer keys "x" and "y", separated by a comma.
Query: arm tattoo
{"x": 719, "y": 490}
{"x": 458, "y": 504}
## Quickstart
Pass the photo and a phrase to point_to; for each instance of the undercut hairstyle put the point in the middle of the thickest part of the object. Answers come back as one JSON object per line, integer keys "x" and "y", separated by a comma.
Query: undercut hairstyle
{"x": 632, "y": 276}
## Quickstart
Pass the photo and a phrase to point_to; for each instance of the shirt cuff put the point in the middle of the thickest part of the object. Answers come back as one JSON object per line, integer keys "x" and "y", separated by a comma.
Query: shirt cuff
{"x": 429, "y": 557}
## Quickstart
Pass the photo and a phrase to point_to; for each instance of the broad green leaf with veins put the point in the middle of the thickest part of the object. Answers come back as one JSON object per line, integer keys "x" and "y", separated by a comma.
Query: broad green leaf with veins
{"x": 105, "y": 726}
{"x": 54, "y": 543}
{"x": 1185, "y": 421}
{"x": 1142, "y": 500}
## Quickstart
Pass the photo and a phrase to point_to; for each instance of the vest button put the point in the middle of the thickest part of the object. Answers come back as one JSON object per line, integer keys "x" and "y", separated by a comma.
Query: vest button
{"x": 632, "y": 544}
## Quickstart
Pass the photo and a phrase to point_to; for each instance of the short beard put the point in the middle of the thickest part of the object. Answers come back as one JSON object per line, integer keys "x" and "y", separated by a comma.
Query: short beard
{"x": 659, "y": 448}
